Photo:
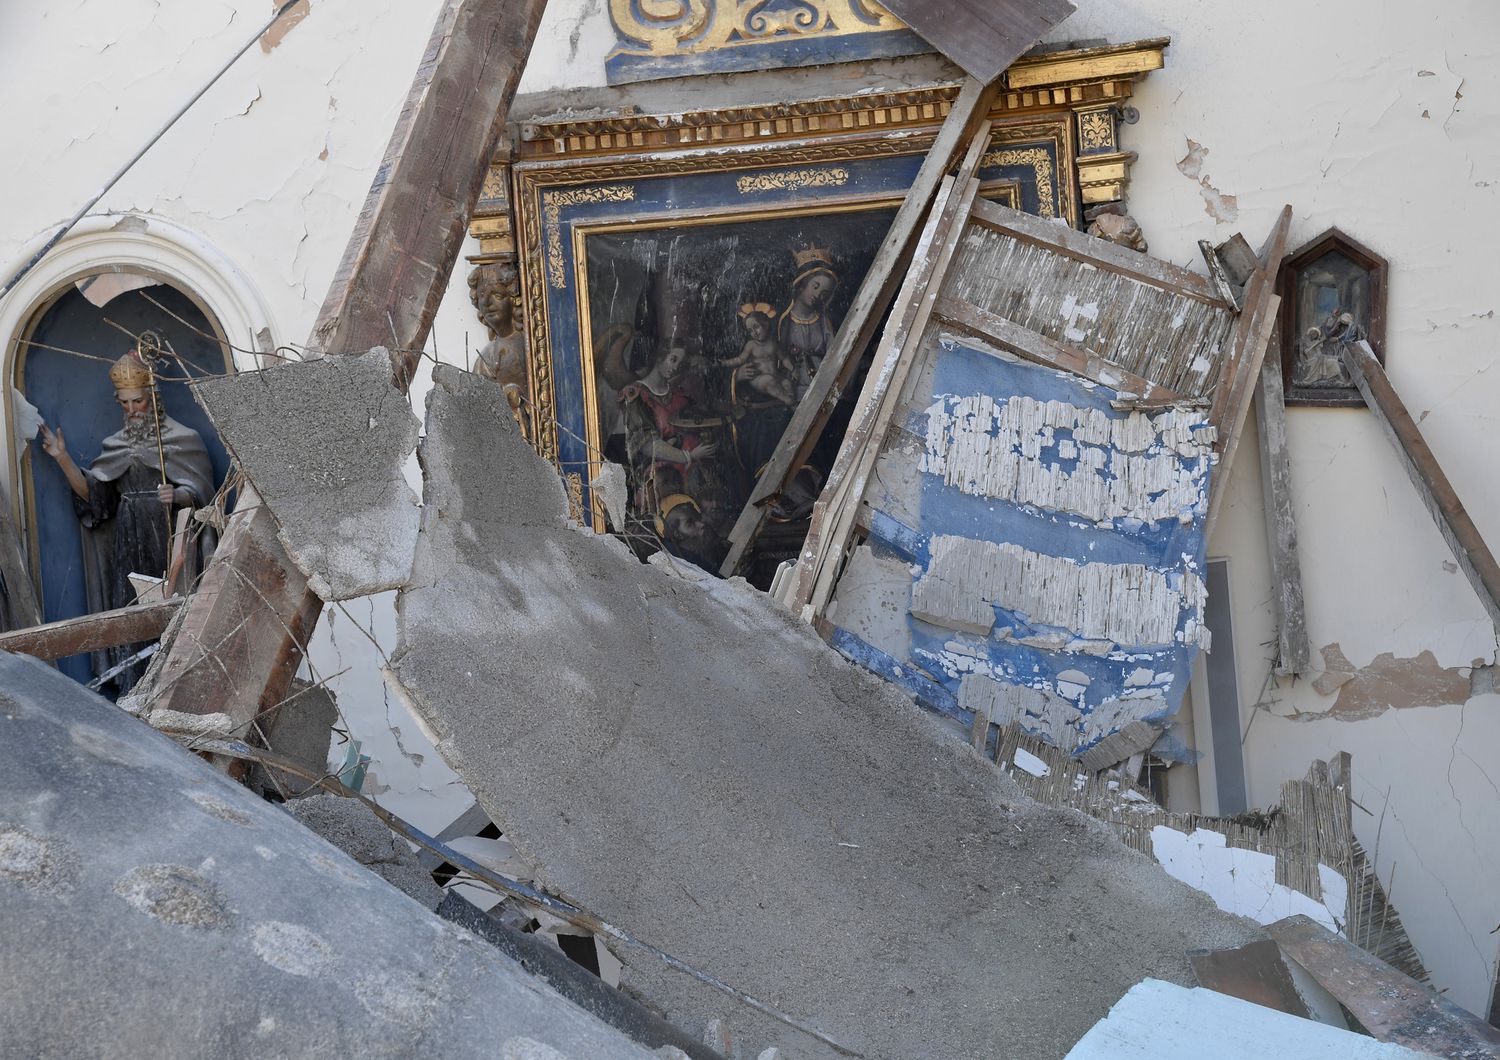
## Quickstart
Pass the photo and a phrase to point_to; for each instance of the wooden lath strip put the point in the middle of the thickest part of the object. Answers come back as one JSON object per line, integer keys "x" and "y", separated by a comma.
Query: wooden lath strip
{"x": 1061, "y": 239}
{"x": 1016, "y": 339}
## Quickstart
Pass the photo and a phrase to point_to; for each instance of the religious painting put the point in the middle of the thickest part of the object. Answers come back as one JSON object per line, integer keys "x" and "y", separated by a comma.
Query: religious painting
{"x": 1333, "y": 295}
{"x": 675, "y": 309}
{"x": 122, "y": 455}
{"x": 704, "y": 339}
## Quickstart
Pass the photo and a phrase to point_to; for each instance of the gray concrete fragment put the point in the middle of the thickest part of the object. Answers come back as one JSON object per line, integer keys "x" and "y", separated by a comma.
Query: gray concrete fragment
{"x": 324, "y": 443}
{"x": 151, "y": 907}
{"x": 350, "y": 825}
{"x": 301, "y": 729}
{"x": 687, "y": 760}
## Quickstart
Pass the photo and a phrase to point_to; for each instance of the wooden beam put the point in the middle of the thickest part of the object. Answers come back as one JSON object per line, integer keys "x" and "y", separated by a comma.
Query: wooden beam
{"x": 1391, "y": 1006}
{"x": 106, "y": 629}
{"x": 982, "y": 36}
{"x": 1024, "y": 342}
{"x": 1438, "y": 495}
{"x": 245, "y": 630}
{"x": 16, "y": 574}
{"x": 395, "y": 269}
{"x": 1255, "y": 972}
{"x": 1293, "y": 656}
{"x": 870, "y": 303}
{"x": 1246, "y": 354}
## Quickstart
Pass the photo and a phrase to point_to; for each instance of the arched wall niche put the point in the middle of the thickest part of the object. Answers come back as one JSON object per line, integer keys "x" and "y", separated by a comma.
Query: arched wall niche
{"x": 198, "y": 300}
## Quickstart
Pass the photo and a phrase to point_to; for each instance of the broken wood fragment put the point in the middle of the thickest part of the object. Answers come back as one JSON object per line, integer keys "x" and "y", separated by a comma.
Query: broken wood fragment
{"x": 1438, "y": 495}
{"x": 1023, "y": 342}
{"x": 244, "y": 630}
{"x": 879, "y": 286}
{"x": 107, "y": 629}
{"x": 1391, "y": 1006}
{"x": 1293, "y": 655}
{"x": 1115, "y": 748}
{"x": 1255, "y": 973}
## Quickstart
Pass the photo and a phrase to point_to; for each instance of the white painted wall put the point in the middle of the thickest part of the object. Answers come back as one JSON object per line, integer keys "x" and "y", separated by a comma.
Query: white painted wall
{"x": 1380, "y": 122}
{"x": 258, "y": 185}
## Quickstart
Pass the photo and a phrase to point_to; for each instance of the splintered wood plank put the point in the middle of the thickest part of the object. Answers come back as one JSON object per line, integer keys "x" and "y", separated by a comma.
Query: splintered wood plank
{"x": 837, "y": 509}
{"x": 1293, "y": 655}
{"x": 1148, "y": 317}
{"x": 1391, "y": 1006}
{"x": 395, "y": 269}
{"x": 107, "y": 629}
{"x": 870, "y": 302}
{"x": 982, "y": 36}
{"x": 1016, "y": 339}
{"x": 1247, "y": 352}
{"x": 1438, "y": 495}
{"x": 245, "y": 629}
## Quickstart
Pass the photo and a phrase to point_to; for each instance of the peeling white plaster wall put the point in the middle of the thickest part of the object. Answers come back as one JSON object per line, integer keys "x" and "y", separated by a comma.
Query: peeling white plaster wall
{"x": 264, "y": 176}
{"x": 1383, "y": 126}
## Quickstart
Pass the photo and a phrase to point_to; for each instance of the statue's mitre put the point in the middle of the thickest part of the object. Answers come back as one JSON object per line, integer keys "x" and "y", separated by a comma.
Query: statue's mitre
{"x": 130, "y": 373}
{"x": 812, "y": 256}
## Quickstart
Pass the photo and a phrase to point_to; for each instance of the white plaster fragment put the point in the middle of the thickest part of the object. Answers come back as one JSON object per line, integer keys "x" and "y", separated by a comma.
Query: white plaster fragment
{"x": 1244, "y": 881}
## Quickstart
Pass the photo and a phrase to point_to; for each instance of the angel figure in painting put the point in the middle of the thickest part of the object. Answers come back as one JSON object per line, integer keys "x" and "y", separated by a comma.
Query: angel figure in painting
{"x": 763, "y": 364}
{"x": 127, "y": 498}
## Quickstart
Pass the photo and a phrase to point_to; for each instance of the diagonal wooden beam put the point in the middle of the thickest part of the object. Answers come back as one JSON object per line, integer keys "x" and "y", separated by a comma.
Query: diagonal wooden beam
{"x": 395, "y": 269}
{"x": 245, "y": 630}
{"x": 870, "y": 303}
{"x": 1439, "y": 497}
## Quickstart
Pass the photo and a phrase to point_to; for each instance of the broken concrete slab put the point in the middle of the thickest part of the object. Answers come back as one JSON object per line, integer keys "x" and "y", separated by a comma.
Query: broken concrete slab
{"x": 329, "y": 469}
{"x": 686, "y": 759}
{"x": 350, "y": 825}
{"x": 149, "y": 906}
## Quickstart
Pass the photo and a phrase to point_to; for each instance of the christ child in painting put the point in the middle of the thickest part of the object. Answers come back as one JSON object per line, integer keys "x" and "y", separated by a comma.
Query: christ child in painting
{"x": 762, "y": 363}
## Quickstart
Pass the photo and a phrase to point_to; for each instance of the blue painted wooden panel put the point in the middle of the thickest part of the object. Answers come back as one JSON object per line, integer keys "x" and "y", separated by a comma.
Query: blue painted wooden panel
{"x": 1086, "y": 678}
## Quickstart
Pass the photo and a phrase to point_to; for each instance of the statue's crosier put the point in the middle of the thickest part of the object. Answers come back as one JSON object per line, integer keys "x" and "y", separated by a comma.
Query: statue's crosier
{"x": 127, "y": 499}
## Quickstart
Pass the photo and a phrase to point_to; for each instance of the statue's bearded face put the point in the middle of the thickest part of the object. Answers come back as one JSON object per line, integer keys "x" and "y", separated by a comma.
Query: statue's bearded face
{"x": 135, "y": 403}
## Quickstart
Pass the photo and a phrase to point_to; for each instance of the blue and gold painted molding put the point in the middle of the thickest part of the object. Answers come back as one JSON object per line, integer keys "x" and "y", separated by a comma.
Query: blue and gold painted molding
{"x": 677, "y": 38}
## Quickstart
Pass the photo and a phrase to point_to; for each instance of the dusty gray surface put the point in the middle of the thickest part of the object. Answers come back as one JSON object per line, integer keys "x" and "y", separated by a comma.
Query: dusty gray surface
{"x": 329, "y": 467}
{"x": 302, "y": 730}
{"x": 687, "y": 760}
{"x": 351, "y": 826}
{"x": 150, "y": 907}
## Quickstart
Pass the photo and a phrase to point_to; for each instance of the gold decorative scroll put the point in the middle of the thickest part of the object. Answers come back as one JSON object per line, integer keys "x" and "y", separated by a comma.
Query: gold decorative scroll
{"x": 1096, "y": 130}
{"x": 1041, "y": 164}
{"x": 676, "y": 27}
{"x": 792, "y": 180}
{"x": 552, "y": 204}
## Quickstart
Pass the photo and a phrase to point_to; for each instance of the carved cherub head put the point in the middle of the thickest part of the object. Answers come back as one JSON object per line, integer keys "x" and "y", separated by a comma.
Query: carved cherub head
{"x": 494, "y": 290}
